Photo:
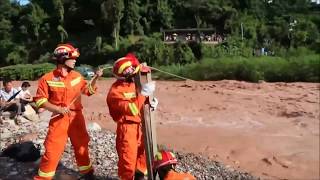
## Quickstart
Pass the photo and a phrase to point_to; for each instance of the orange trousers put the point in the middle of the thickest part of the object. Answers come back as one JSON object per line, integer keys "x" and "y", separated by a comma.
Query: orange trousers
{"x": 60, "y": 128}
{"x": 172, "y": 175}
{"x": 130, "y": 149}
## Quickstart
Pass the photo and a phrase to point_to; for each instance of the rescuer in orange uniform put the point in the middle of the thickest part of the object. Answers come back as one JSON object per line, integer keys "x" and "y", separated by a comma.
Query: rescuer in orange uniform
{"x": 164, "y": 163}
{"x": 59, "y": 91}
{"x": 124, "y": 106}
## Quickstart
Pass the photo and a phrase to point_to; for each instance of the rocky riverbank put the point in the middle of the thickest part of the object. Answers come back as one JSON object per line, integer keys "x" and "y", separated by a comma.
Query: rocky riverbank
{"x": 102, "y": 152}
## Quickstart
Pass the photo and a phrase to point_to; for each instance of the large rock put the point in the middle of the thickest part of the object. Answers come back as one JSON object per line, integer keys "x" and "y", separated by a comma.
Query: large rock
{"x": 93, "y": 126}
{"x": 30, "y": 113}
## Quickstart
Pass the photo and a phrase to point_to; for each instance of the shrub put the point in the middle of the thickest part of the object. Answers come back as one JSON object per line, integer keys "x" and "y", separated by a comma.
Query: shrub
{"x": 183, "y": 54}
{"x": 151, "y": 50}
{"x": 25, "y": 71}
{"x": 18, "y": 55}
{"x": 272, "y": 69}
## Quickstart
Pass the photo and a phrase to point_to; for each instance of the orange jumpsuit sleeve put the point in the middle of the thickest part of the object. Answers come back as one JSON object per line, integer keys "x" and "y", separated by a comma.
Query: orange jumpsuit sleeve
{"x": 42, "y": 94}
{"x": 124, "y": 104}
{"x": 87, "y": 88}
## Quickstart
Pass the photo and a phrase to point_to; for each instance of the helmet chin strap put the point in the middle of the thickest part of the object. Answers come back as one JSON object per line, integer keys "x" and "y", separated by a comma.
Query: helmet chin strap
{"x": 71, "y": 68}
{"x": 129, "y": 79}
{"x": 62, "y": 64}
{"x": 68, "y": 67}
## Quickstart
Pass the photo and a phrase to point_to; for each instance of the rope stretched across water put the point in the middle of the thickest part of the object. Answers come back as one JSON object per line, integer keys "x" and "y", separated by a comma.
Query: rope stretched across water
{"x": 159, "y": 70}
{"x": 171, "y": 74}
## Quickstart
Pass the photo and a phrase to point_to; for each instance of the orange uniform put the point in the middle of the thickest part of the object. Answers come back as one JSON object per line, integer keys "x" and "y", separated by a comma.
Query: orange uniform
{"x": 172, "y": 175}
{"x": 61, "y": 91}
{"x": 124, "y": 107}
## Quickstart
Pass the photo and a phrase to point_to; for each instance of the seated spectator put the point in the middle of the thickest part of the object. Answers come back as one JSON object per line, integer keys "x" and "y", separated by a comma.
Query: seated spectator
{"x": 10, "y": 101}
{"x": 164, "y": 165}
{"x": 26, "y": 97}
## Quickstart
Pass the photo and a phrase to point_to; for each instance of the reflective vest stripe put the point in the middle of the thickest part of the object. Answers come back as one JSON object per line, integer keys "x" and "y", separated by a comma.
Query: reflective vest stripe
{"x": 41, "y": 101}
{"x": 145, "y": 172}
{"x": 133, "y": 108}
{"x": 84, "y": 168}
{"x": 75, "y": 81}
{"x": 48, "y": 174}
{"x": 123, "y": 66}
{"x": 55, "y": 84}
{"x": 129, "y": 95}
{"x": 91, "y": 90}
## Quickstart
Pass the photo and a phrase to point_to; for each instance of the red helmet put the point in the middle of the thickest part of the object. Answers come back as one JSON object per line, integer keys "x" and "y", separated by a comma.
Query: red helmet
{"x": 163, "y": 158}
{"x": 126, "y": 66}
{"x": 65, "y": 51}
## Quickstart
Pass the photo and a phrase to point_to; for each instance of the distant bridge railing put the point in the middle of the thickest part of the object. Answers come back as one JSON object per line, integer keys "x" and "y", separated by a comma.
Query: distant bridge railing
{"x": 206, "y": 36}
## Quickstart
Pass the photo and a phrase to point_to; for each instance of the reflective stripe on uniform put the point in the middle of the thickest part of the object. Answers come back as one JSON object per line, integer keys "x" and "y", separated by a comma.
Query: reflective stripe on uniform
{"x": 145, "y": 172}
{"x": 66, "y": 47}
{"x": 91, "y": 90}
{"x": 75, "y": 81}
{"x": 136, "y": 70}
{"x": 84, "y": 168}
{"x": 41, "y": 101}
{"x": 48, "y": 174}
{"x": 129, "y": 95}
{"x": 123, "y": 66}
{"x": 158, "y": 156}
{"x": 55, "y": 84}
{"x": 133, "y": 108}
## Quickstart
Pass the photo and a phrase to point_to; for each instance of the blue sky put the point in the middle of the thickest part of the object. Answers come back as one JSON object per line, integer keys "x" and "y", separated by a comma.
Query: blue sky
{"x": 23, "y": 2}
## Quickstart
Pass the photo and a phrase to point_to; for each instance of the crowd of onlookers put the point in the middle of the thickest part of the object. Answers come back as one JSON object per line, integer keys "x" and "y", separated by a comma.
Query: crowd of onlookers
{"x": 15, "y": 99}
{"x": 214, "y": 37}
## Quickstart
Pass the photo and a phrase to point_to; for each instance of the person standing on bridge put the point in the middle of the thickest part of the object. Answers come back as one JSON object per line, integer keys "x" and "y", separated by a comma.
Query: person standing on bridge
{"x": 124, "y": 105}
{"x": 59, "y": 91}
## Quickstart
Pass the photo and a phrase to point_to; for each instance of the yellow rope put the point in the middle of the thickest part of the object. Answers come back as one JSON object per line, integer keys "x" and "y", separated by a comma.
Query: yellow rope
{"x": 156, "y": 69}
{"x": 153, "y": 68}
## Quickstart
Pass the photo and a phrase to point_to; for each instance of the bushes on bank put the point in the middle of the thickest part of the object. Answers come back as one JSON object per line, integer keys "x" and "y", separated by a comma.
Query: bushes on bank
{"x": 271, "y": 69}
{"x": 25, "y": 71}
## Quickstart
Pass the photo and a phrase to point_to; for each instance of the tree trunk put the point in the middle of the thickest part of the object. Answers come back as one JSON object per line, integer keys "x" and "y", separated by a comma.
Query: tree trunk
{"x": 198, "y": 20}
{"x": 116, "y": 31}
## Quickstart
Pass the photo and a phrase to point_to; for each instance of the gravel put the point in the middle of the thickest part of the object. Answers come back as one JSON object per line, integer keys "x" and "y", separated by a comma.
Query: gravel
{"x": 103, "y": 155}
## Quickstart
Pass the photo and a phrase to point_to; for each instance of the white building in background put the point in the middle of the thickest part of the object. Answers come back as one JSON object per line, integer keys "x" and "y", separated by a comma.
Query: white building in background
{"x": 315, "y": 1}
{"x": 312, "y": 1}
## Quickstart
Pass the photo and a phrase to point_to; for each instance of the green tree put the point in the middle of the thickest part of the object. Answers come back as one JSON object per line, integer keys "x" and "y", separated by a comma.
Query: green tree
{"x": 131, "y": 24}
{"x": 112, "y": 12}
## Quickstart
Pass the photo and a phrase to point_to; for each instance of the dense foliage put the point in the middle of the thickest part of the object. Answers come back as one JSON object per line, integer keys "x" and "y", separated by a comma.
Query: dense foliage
{"x": 25, "y": 71}
{"x": 107, "y": 29}
{"x": 271, "y": 69}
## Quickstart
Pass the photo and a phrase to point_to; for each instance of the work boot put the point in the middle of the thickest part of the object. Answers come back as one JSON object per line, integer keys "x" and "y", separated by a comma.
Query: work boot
{"x": 88, "y": 176}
